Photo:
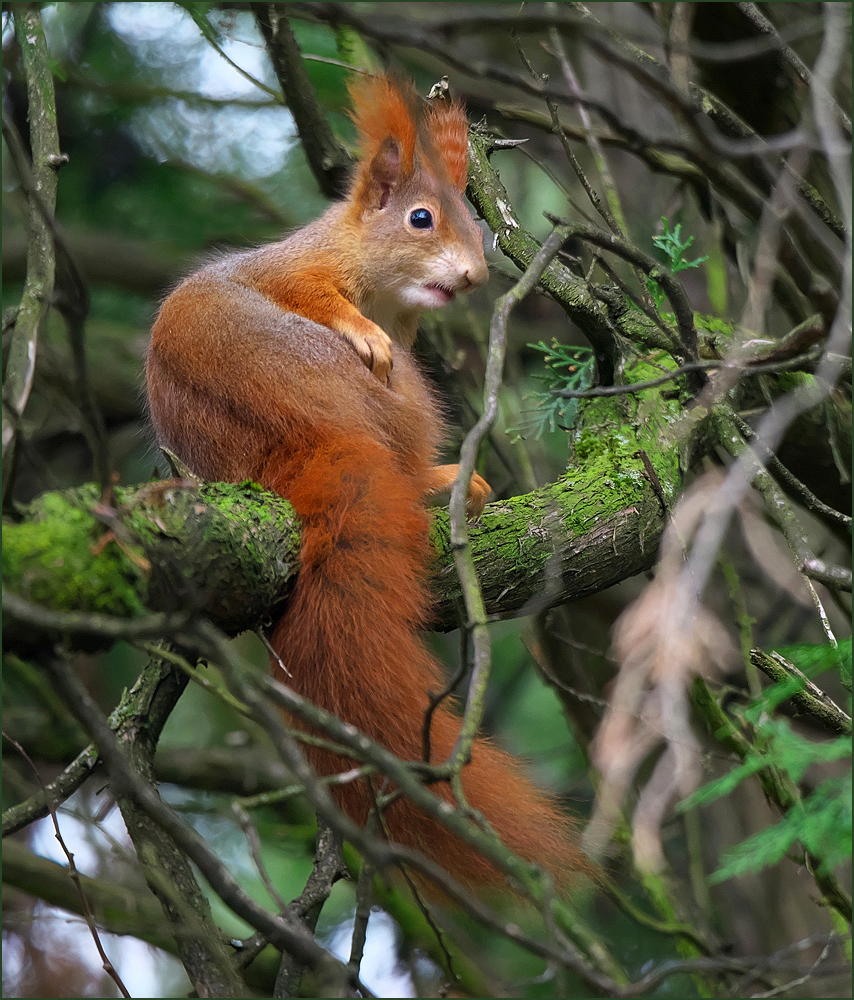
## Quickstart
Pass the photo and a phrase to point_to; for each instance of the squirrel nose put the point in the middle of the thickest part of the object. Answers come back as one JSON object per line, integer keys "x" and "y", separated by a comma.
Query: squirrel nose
{"x": 477, "y": 274}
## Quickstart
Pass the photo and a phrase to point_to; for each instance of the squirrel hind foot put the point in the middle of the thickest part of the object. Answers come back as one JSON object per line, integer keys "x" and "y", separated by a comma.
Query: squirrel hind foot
{"x": 479, "y": 491}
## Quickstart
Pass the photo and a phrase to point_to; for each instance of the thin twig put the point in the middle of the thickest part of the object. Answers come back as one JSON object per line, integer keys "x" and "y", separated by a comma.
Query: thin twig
{"x": 804, "y": 494}
{"x": 197, "y": 675}
{"x": 807, "y": 975}
{"x": 436, "y": 699}
{"x": 746, "y": 367}
{"x": 37, "y": 806}
{"x": 329, "y": 161}
{"x": 781, "y": 513}
{"x": 336, "y": 62}
{"x": 207, "y": 32}
{"x": 364, "y": 900}
{"x": 280, "y": 663}
{"x": 822, "y": 614}
{"x": 254, "y": 842}
{"x": 437, "y": 931}
{"x": 808, "y": 698}
{"x": 475, "y": 610}
{"x": 752, "y": 11}
{"x": 557, "y": 128}
{"x": 73, "y": 873}
{"x": 608, "y": 182}
{"x": 154, "y": 626}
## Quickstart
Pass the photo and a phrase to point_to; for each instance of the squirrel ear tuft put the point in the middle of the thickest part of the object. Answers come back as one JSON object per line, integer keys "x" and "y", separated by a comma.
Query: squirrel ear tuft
{"x": 448, "y": 127}
{"x": 385, "y": 108}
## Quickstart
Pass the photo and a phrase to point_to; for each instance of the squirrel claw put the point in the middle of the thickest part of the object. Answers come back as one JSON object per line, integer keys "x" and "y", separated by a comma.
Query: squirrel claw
{"x": 375, "y": 351}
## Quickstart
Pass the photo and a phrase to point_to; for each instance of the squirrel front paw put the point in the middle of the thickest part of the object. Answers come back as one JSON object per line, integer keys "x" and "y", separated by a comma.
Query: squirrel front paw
{"x": 374, "y": 348}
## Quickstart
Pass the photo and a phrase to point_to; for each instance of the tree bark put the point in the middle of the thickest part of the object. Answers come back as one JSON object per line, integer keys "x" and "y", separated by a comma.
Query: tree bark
{"x": 231, "y": 552}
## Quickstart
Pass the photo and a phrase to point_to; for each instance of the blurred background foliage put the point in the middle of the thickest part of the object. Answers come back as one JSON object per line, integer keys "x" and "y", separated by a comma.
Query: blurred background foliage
{"x": 174, "y": 155}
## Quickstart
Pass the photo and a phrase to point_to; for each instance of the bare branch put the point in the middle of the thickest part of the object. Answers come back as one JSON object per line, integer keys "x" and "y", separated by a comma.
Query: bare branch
{"x": 475, "y": 610}
{"x": 752, "y": 11}
{"x": 808, "y": 698}
{"x": 329, "y": 162}
{"x": 86, "y": 909}
{"x": 41, "y": 264}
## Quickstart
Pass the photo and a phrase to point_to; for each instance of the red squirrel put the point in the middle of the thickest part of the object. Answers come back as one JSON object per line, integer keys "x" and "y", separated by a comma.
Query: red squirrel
{"x": 291, "y": 365}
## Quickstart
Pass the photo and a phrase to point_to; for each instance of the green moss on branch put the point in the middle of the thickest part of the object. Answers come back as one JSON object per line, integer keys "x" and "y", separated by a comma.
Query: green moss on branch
{"x": 229, "y": 550}
{"x": 232, "y": 551}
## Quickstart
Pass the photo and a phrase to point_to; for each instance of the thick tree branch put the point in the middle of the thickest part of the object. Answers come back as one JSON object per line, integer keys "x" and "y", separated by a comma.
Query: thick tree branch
{"x": 231, "y": 552}
{"x": 197, "y": 540}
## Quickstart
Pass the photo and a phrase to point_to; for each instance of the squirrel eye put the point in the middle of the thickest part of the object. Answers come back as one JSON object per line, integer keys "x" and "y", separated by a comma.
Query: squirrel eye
{"x": 420, "y": 218}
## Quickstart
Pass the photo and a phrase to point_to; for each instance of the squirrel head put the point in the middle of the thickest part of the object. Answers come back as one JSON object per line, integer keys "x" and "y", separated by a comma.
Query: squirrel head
{"x": 418, "y": 244}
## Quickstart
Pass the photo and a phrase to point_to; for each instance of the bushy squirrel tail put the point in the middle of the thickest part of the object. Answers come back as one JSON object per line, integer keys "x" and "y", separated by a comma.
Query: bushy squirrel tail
{"x": 349, "y": 638}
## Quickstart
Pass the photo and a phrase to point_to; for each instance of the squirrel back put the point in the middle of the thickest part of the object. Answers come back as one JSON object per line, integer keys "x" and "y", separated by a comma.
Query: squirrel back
{"x": 290, "y": 365}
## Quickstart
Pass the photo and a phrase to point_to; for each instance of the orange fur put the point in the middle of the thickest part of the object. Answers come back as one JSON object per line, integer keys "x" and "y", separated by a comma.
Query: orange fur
{"x": 348, "y": 639}
{"x": 252, "y": 375}
{"x": 383, "y": 107}
{"x": 449, "y": 129}
{"x": 435, "y": 132}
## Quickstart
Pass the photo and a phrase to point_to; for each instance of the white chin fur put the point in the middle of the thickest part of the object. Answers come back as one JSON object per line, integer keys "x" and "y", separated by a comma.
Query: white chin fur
{"x": 420, "y": 297}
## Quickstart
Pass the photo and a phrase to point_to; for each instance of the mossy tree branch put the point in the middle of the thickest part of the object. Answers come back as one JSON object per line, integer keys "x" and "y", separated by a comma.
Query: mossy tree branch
{"x": 184, "y": 545}
{"x": 41, "y": 260}
{"x": 232, "y": 552}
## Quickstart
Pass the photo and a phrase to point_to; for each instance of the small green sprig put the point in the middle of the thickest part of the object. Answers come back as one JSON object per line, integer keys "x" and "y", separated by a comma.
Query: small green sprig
{"x": 819, "y": 818}
{"x": 567, "y": 367}
{"x": 673, "y": 248}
